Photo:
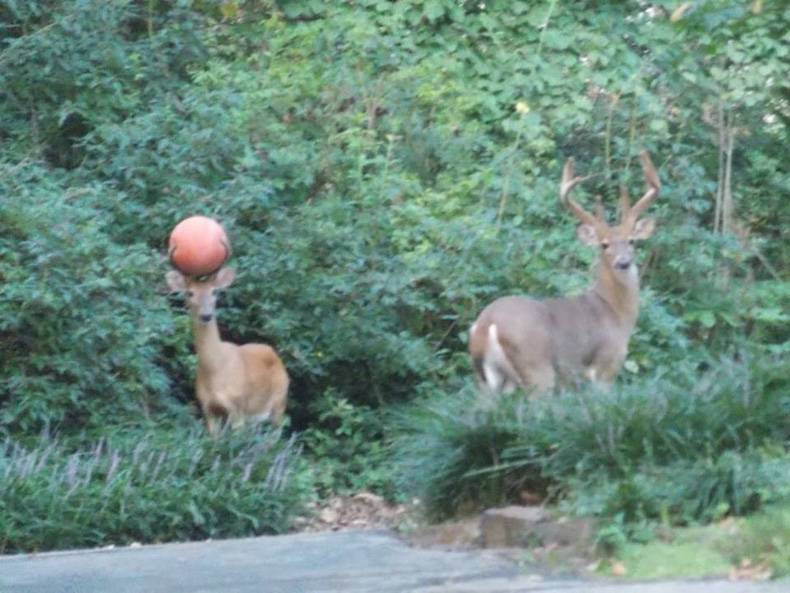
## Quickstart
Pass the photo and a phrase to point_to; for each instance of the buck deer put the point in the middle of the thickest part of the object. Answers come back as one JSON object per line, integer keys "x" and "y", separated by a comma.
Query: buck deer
{"x": 234, "y": 383}
{"x": 534, "y": 344}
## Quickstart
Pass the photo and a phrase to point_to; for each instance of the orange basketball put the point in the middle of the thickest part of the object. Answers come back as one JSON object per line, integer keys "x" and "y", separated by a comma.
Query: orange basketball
{"x": 198, "y": 246}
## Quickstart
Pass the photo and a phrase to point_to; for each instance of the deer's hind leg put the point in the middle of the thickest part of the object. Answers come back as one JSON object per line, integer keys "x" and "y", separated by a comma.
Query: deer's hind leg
{"x": 531, "y": 369}
{"x": 215, "y": 416}
{"x": 543, "y": 379}
{"x": 494, "y": 369}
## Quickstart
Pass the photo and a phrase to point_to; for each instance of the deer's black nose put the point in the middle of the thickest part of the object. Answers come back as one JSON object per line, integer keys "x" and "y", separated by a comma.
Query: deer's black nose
{"x": 623, "y": 264}
{"x": 206, "y": 318}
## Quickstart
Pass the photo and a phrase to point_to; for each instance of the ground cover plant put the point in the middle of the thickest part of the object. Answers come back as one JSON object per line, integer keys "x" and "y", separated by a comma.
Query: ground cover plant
{"x": 678, "y": 450}
{"x": 752, "y": 547}
{"x": 384, "y": 170}
{"x": 123, "y": 488}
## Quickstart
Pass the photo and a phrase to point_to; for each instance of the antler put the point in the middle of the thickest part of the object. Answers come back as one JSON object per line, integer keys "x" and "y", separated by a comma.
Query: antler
{"x": 631, "y": 214}
{"x": 569, "y": 181}
{"x": 600, "y": 213}
{"x": 625, "y": 202}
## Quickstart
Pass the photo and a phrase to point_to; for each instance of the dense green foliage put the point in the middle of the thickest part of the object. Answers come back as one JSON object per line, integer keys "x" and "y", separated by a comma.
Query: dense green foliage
{"x": 74, "y": 351}
{"x": 347, "y": 448}
{"x": 383, "y": 169}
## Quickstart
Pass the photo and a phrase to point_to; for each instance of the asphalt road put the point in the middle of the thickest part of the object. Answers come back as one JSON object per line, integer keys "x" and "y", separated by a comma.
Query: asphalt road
{"x": 345, "y": 562}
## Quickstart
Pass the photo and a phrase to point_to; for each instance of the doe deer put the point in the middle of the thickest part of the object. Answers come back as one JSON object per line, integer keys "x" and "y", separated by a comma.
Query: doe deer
{"x": 234, "y": 383}
{"x": 535, "y": 344}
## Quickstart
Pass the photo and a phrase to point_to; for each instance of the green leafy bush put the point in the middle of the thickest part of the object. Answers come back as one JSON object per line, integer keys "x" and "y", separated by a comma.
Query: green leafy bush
{"x": 69, "y": 66}
{"x": 377, "y": 180}
{"x": 384, "y": 170}
{"x": 148, "y": 486}
{"x": 83, "y": 330}
{"x": 448, "y": 452}
{"x": 347, "y": 447}
{"x": 686, "y": 491}
{"x": 680, "y": 449}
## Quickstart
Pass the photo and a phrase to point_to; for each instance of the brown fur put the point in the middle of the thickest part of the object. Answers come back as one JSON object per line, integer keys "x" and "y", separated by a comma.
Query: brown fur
{"x": 535, "y": 344}
{"x": 234, "y": 383}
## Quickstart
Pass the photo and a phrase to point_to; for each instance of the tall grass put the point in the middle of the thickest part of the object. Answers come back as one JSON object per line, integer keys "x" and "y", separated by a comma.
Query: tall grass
{"x": 687, "y": 447}
{"x": 148, "y": 487}
{"x": 765, "y": 538}
{"x": 448, "y": 451}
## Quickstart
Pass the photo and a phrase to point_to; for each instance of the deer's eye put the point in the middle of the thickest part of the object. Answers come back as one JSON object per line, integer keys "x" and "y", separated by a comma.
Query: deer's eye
{"x": 604, "y": 245}
{"x": 190, "y": 293}
{"x": 631, "y": 242}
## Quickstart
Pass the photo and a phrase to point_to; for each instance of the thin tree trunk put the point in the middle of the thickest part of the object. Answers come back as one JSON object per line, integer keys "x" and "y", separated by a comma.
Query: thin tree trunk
{"x": 727, "y": 210}
{"x": 720, "y": 183}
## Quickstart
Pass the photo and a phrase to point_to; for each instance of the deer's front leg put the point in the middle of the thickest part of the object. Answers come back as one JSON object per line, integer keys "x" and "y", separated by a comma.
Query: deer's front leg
{"x": 606, "y": 366}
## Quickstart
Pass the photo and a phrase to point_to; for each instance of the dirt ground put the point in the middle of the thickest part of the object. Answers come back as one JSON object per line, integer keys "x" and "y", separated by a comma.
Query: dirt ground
{"x": 363, "y": 510}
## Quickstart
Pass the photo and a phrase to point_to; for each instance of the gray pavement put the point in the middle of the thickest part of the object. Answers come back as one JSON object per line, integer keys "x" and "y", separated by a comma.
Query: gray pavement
{"x": 345, "y": 562}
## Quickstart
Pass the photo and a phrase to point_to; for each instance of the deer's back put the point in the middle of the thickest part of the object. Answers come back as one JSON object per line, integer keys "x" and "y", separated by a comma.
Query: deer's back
{"x": 566, "y": 333}
{"x": 267, "y": 379}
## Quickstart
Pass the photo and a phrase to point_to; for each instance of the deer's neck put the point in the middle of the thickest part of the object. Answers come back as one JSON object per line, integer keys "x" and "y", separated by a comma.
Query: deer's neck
{"x": 620, "y": 292}
{"x": 208, "y": 344}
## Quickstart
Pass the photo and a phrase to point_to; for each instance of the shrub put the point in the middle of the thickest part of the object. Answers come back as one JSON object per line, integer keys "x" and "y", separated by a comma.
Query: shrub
{"x": 680, "y": 449}
{"x": 377, "y": 181}
{"x": 685, "y": 492}
{"x": 448, "y": 452}
{"x": 69, "y": 66}
{"x": 148, "y": 486}
{"x": 346, "y": 446}
{"x": 689, "y": 416}
{"x": 83, "y": 329}
{"x": 384, "y": 170}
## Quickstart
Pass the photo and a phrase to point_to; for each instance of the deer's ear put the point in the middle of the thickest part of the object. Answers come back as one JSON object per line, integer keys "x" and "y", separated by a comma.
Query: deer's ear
{"x": 176, "y": 281}
{"x": 587, "y": 235}
{"x": 225, "y": 278}
{"x": 643, "y": 228}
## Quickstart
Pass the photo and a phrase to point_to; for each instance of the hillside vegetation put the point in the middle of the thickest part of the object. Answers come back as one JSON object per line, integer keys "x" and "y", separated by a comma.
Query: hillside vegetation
{"x": 384, "y": 170}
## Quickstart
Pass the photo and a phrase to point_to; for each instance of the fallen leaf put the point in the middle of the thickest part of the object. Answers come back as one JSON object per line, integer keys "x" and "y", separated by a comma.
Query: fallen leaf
{"x": 747, "y": 570}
